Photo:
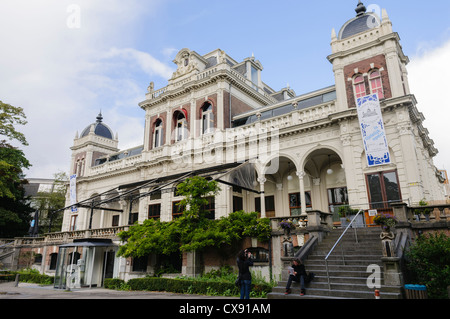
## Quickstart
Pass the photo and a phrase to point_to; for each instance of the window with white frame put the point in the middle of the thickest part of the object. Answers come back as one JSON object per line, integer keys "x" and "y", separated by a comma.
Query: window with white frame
{"x": 180, "y": 127}
{"x": 376, "y": 85}
{"x": 359, "y": 86}
{"x": 158, "y": 134}
{"x": 207, "y": 119}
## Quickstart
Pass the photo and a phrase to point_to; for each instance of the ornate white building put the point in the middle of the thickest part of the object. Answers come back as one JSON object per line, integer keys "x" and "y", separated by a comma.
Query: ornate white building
{"x": 305, "y": 152}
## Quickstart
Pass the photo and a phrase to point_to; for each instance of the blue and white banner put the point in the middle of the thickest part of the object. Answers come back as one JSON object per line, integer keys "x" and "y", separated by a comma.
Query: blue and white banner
{"x": 372, "y": 130}
{"x": 73, "y": 192}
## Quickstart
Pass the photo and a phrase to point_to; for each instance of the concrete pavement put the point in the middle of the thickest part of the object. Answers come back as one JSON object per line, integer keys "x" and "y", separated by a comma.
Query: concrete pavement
{"x": 34, "y": 291}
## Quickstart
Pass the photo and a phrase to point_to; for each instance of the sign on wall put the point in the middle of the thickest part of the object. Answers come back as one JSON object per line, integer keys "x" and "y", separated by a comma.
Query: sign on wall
{"x": 73, "y": 192}
{"x": 372, "y": 130}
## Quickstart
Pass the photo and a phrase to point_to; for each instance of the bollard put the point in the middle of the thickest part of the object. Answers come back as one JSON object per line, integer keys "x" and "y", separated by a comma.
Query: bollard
{"x": 16, "y": 283}
{"x": 377, "y": 294}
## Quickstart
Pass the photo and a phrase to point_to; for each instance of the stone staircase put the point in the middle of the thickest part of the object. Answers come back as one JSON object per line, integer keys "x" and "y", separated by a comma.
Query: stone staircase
{"x": 348, "y": 279}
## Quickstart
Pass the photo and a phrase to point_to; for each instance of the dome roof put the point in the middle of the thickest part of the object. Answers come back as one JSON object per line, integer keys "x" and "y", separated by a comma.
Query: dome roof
{"x": 364, "y": 21}
{"x": 100, "y": 129}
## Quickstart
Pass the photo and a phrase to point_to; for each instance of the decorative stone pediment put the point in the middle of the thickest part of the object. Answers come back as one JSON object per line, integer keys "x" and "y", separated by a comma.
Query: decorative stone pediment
{"x": 188, "y": 61}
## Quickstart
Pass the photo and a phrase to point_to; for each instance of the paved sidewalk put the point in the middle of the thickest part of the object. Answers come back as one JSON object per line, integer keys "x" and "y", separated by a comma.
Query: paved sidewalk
{"x": 34, "y": 291}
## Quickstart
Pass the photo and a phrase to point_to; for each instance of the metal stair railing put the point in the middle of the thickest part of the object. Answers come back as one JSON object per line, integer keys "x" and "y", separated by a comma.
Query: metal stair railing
{"x": 338, "y": 242}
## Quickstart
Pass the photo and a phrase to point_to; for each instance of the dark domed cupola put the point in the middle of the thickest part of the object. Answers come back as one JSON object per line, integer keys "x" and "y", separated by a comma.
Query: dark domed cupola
{"x": 99, "y": 128}
{"x": 364, "y": 21}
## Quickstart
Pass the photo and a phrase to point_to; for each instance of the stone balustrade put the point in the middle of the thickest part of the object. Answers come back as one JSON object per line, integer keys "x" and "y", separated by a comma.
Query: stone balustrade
{"x": 60, "y": 238}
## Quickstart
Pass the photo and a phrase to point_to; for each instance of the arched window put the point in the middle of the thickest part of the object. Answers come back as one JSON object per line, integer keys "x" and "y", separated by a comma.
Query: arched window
{"x": 376, "y": 85}
{"x": 180, "y": 127}
{"x": 359, "y": 86}
{"x": 158, "y": 134}
{"x": 207, "y": 119}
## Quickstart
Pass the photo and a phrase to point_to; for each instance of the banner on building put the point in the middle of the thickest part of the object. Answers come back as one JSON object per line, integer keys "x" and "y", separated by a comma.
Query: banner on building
{"x": 73, "y": 192}
{"x": 372, "y": 130}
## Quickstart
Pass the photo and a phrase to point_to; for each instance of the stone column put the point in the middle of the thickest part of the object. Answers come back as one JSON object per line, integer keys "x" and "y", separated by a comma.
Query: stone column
{"x": 261, "y": 181}
{"x": 301, "y": 175}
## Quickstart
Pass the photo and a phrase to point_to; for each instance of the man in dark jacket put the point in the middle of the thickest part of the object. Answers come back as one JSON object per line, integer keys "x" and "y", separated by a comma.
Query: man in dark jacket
{"x": 297, "y": 273}
{"x": 244, "y": 261}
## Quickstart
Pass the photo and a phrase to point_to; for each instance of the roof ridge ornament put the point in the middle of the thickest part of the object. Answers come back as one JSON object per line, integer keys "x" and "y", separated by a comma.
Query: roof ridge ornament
{"x": 360, "y": 9}
{"x": 99, "y": 117}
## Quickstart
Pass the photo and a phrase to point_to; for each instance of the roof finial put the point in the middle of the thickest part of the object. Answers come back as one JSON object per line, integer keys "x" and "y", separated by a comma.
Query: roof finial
{"x": 99, "y": 117}
{"x": 360, "y": 9}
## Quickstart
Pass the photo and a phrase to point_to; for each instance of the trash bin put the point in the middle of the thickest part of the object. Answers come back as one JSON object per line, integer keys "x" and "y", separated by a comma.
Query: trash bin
{"x": 416, "y": 292}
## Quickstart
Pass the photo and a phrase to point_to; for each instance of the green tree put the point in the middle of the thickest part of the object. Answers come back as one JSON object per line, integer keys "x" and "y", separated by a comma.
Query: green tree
{"x": 192, "y": 231}
{"x": 49, "y": 202}
{"x": 14, "y": 209}
{"x": 428, "y": 263}
{"x": 9, "y": 117}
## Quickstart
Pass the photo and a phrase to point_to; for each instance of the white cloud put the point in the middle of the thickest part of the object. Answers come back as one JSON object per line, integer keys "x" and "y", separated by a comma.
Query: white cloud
{"x": 428, "y": 73}
{"x": 62, "y": 77}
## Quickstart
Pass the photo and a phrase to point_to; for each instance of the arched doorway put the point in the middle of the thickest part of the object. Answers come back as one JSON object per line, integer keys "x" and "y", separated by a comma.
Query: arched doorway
{"x": 326, "y": 172}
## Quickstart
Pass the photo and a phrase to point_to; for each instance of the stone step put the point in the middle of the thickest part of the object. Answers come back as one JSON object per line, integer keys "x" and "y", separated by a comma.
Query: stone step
{"x": 316, "y": 293}
{"x": 348, "y": 279}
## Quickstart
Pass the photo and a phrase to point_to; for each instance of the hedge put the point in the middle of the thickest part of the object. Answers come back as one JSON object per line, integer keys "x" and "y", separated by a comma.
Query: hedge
{"x": 185, "y": 286}
{"x": 31, "y": 277}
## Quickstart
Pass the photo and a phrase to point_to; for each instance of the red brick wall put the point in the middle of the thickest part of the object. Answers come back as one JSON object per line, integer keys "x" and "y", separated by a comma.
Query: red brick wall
{"x": 237, "y": 107}
{"x": 363, "y": 67}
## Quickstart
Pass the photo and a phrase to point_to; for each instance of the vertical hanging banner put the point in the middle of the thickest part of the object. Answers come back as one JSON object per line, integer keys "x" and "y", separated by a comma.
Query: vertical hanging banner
{"x": 372, "y": 130}
{"x": 73, "y": 192}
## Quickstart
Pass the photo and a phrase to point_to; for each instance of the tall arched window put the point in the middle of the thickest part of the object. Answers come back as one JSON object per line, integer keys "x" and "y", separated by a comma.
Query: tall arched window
{"x": 376, "y": 85}
{"x": 158, "y": 134}
{"x": 207, "y": 119}
{"x": 180, "y": 127}
{"x": 359, "y": 86}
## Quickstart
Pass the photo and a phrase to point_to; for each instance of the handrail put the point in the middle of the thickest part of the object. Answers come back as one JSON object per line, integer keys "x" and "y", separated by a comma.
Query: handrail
{"x": 337, "y": 243}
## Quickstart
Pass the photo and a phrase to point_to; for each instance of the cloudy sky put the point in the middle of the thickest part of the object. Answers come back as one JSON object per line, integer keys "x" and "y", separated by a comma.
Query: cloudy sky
{"x": 65, "y": 60}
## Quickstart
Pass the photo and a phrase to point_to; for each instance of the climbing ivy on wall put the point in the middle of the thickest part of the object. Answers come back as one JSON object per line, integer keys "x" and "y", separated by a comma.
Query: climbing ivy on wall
{"x": 192, "y": 231}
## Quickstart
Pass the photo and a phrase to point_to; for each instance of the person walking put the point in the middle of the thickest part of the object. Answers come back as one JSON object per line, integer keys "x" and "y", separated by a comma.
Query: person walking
{"x": 244, "y": 261}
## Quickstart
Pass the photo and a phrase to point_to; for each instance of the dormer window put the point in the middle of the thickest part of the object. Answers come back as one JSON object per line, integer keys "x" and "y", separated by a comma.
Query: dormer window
{"x": 376, "y": 85}
{"x": 158, "y": 133}
{"x": 359, "y": 86}
{"x": 207, "y": 119}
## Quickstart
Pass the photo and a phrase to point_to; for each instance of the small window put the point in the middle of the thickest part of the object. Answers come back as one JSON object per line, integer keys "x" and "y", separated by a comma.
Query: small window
{"x": 259, "y": 254}
{"x": 134, "y": 217}
{"x": 73, "y": 222}
{"x": 154, "y": 211}
{"x": 210, "y": 208}
{"x": 140, "y": 264}
{"x": 359, "y": 86}
{"x": 337, "y": 197}
{"x": 115, "y": 220}
{"x": 269, "y": 202}
{"x": 238, "y": 204}
{"x": 53, "y": 260}
{"x": 295, "y": 204}
{"x": 158, "y": 134}
{"x": 177, "y": 210}
{"x": 180, "y": 127}
{"x": 376, "y": 85}
{"x": 384, "y": 189}
{"x": 207, "y": 119}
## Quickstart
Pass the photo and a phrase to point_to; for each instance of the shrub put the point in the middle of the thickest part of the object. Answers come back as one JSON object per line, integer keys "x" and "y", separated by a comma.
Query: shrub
{"x": 114, "y": 283}
{"x": 36, "y": 278}
{"x": 194, "y": 286}
{"x": 428, "y": 263}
